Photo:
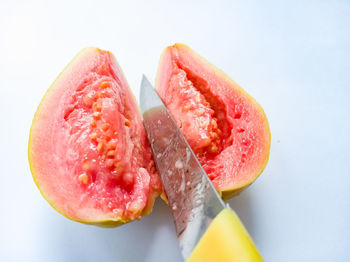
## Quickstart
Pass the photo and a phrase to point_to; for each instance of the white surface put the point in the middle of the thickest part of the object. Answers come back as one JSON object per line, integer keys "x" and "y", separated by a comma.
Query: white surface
{"x": 293, "y": 57}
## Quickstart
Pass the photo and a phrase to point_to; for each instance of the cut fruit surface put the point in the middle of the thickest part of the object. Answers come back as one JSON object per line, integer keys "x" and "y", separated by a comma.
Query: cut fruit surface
{"x": 88, "y": 150}
{"x": 225, "y": 127}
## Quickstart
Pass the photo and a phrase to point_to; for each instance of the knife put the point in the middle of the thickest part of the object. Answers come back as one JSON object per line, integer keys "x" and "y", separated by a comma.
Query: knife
{"x": 207, "y": 229}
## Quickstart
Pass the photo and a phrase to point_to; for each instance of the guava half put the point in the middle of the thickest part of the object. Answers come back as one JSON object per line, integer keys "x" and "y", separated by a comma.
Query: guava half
{"x": 88, "y": 150}
{"x": 225, "y": 127}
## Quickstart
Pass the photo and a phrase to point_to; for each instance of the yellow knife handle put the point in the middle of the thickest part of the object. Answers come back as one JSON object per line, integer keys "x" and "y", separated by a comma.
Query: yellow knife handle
{"x": 226, "y": 239}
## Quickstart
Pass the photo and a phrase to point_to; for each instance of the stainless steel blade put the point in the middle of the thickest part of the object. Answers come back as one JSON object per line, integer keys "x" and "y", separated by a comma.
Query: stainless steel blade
{"x": 192, "y": 198}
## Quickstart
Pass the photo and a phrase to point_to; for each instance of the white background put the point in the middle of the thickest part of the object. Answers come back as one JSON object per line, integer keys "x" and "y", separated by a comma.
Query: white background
{"x": 292, "y": 56}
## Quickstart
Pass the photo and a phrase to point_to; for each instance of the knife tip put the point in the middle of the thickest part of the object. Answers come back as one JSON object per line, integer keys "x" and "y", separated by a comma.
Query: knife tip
{"x": 143, "y": 93}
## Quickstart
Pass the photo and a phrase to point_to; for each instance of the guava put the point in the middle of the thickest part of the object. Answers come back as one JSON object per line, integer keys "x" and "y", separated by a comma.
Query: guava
{"x": 88, "y": 150}
{"x": 225, "y": 127}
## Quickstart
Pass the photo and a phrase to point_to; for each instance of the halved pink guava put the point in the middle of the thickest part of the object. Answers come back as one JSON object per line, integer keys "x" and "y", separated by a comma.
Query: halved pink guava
{"x": 88, "y": 150}
{"x": 226, "y": 128}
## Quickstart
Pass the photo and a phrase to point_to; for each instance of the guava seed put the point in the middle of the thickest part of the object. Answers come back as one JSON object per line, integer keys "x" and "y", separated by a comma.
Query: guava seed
{"x": 83, "y": 178}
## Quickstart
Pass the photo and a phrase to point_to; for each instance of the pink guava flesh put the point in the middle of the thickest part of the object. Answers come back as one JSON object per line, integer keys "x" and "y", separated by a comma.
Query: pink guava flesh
{"x": 88, "y": 149}
{"x": 225, "y": 127}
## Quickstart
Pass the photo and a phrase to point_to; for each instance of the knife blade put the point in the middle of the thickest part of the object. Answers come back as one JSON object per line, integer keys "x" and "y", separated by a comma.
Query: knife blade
{"x": 206, "y": 228}
{"x": 192, "y": 198}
